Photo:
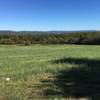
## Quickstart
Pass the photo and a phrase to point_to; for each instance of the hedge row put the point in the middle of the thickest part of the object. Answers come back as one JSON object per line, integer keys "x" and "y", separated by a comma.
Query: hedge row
{"x": 63, "y": 38}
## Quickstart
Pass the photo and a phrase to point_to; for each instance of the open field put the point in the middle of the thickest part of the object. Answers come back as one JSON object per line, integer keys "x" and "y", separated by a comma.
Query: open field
{"x": 50, "y": 71}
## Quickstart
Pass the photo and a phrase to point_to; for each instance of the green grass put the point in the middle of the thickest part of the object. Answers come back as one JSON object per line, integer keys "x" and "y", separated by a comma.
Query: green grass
{"x": 49, "y": 71}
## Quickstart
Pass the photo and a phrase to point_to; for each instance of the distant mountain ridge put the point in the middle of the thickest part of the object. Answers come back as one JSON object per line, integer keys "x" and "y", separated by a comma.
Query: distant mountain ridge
{"x": 9, "y": 32}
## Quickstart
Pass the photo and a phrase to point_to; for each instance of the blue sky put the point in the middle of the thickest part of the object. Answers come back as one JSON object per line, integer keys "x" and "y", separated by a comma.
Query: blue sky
{"x": 49, "y": 15}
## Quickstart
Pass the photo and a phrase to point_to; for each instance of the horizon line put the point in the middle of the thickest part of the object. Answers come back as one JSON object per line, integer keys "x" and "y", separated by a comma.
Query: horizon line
{"x": 46, "y": 30}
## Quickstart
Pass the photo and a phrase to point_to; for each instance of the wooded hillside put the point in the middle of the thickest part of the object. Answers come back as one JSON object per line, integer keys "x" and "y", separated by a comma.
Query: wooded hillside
{"x": 53, "y": 37}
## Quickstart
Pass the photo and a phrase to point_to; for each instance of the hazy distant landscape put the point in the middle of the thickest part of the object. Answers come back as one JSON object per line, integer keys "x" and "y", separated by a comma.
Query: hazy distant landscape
{"x": 49, "y": 37}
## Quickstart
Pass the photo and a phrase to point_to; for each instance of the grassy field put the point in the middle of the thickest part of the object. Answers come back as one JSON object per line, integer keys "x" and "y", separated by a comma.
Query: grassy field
{"x": 49, "y": 71}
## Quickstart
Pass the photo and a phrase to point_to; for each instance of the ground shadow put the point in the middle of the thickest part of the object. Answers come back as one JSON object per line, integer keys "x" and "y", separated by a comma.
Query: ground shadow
{"x": 82, "y": 80}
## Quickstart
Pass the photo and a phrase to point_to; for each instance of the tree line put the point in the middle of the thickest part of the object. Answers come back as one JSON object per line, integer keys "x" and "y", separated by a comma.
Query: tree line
{"x": 26, "y": 38}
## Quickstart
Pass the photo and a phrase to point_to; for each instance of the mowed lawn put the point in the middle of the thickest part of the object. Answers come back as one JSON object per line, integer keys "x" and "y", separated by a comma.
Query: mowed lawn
{"x": 49, "y": 71}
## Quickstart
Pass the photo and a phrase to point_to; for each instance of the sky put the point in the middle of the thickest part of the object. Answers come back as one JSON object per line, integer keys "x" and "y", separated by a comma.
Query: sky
{"x": 49, "y": 15}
